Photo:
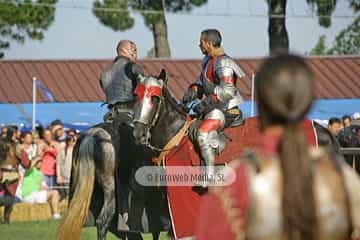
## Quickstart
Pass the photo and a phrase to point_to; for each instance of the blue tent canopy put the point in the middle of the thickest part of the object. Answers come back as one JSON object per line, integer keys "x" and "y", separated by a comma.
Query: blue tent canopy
{"x": 74, "y": 115}
{"x": 84, "y": 115}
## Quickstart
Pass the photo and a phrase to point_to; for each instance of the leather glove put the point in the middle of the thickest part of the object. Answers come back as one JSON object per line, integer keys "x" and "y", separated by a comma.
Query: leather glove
{"x": 205, "y": 106}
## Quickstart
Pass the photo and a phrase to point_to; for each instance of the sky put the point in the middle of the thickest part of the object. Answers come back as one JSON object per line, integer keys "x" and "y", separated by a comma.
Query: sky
{"x": 77, "y": 34}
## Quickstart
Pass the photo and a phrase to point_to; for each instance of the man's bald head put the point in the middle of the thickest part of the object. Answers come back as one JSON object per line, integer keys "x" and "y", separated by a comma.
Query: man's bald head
{"x": 127, "y": 48}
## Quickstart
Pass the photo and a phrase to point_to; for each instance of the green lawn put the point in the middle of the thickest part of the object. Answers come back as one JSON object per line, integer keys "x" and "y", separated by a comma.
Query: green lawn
{"x": 46, "y": 230}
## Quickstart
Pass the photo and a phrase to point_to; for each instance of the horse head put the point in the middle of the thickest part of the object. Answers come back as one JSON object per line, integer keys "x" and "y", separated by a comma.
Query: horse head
{"x": 149, "y": 93}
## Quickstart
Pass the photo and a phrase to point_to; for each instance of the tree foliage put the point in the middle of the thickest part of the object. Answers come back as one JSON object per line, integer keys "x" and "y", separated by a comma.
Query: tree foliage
{"x": 170, "y": 5}
{"x": 22, "y": 19}
{"x": 346, "y": 42}
{"x": 320, "y": 47}
{"x": 324, "y": 10}
{"x": 117, "y": 20}
{"x": 278, "y": 36}
{"x": 152, "y": 12}
{"x": 355, "y": 4}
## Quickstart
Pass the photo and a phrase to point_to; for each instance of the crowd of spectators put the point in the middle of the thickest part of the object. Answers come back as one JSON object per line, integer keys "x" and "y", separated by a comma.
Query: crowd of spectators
{"x": 43, "y": 174}
{"x": 347, "y": 132}
{"x": 46, "y": 175}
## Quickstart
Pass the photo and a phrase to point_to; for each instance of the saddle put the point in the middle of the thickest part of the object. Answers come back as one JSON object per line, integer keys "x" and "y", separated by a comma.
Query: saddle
{"x": 119, "y": 112}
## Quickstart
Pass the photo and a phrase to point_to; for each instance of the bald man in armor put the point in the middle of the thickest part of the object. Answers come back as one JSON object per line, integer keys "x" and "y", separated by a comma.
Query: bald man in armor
{"x": 118, "y": 82}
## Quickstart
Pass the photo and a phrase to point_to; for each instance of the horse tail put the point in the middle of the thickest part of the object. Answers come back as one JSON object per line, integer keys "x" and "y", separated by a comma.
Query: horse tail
{"x": 82, "y": 185}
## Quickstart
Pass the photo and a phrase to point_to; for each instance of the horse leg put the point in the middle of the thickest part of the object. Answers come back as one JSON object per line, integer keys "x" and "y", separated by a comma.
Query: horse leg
{"x": 153, "y": 201}
{"x": 105, "y": 171}
{"x": 155, "y": 235}
{"x": 108, "y": 209}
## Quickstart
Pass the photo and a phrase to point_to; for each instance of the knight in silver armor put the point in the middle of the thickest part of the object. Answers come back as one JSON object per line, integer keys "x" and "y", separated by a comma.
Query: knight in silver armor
{"x": 118, "y": 82}
{"x": 217, "y": 82}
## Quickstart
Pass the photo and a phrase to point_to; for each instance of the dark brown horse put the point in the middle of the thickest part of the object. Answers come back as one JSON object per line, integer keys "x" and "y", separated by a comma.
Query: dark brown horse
{"x": 93, "y": 159}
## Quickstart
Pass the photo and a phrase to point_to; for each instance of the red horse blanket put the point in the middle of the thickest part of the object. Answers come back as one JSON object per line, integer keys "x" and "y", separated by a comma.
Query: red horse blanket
{"x": 183, "y": 202}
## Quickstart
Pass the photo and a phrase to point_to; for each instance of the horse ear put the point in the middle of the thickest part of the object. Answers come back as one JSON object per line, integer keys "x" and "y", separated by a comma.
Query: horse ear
{"x": 163, "y": 76}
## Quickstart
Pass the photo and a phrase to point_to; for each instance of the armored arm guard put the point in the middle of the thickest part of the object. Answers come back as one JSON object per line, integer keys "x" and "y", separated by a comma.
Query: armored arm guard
{"x": 196, "y": 89}
{"x": 132, "y": 71}
{"x": 227, "y": 71}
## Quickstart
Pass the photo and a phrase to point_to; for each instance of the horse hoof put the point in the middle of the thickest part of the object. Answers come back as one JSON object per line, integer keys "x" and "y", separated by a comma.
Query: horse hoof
{"x": 122, "y": 226}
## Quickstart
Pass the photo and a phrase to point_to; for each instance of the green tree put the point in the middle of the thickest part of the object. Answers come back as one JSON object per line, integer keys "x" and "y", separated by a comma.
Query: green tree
{"x": 346, "y": 42}
{"x": 22, "y": 19}
{"x": 152, "y": 12}
{"x": 278, "y": 36}
{"x": 320, "y": 47}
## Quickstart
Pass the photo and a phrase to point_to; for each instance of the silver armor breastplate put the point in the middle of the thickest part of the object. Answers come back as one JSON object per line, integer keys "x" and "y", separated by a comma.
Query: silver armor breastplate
{"x": 265, "y": 219}
{"x": 116, "y": 84}
{"x": 223, "y": 66}
{"x": 207, "y": 84}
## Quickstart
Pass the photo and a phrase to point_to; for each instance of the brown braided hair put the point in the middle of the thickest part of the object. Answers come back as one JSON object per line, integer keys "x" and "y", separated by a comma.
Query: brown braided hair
{"x": 285, "y": 90}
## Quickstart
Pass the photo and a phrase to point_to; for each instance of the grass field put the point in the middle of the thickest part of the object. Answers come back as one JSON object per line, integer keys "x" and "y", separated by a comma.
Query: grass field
{"x": 46, "y": 230}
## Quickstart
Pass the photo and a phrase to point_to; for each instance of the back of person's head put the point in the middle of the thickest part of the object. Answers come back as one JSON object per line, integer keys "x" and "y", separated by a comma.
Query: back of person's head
{"x": 285, "y": 91}
{"x": 213, "y": 36}
{"x": 11, "y": 134}
{"x": 39, "y": 130}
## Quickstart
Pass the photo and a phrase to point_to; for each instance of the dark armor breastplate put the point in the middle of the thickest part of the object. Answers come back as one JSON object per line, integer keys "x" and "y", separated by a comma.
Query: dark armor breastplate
{"x": 118, "y": 87}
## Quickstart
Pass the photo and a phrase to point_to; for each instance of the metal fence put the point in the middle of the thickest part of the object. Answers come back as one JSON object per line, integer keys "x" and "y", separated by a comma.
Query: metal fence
{"x": 354, "y": 151}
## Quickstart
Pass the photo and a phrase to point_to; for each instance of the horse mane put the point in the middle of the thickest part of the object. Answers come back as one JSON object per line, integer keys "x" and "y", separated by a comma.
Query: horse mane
{"x": 173, "y": 102}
